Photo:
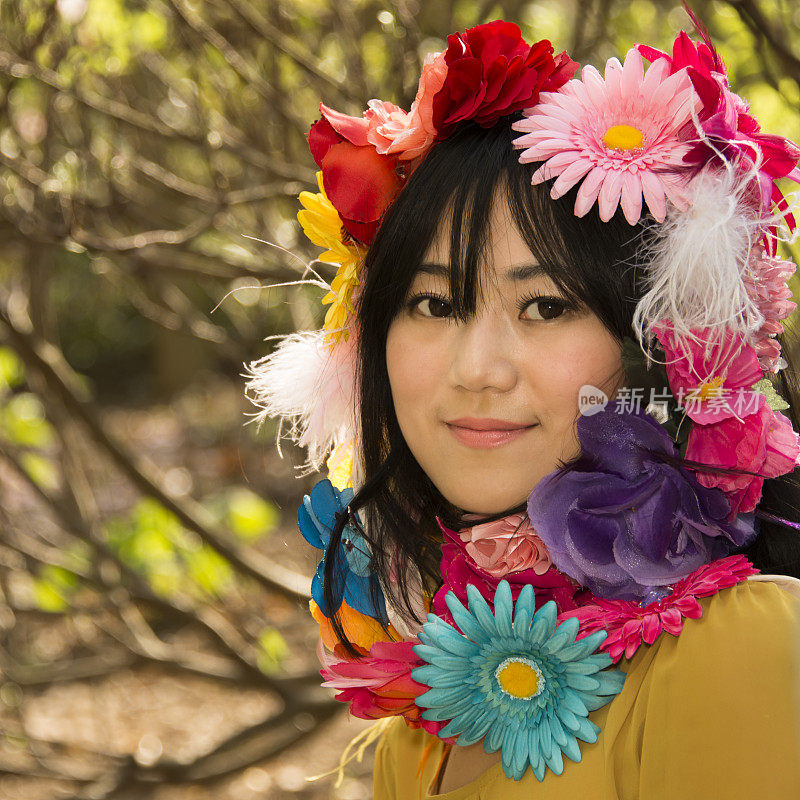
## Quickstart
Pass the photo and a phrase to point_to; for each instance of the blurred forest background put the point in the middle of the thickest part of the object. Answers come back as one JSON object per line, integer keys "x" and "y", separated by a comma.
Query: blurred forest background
{"x": 154, "y": 634}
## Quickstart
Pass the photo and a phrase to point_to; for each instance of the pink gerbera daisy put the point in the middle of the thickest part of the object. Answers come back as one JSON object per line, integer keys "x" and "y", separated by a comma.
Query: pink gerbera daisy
{"x": 624, "y": 137}
{"x": 629, "y": 624}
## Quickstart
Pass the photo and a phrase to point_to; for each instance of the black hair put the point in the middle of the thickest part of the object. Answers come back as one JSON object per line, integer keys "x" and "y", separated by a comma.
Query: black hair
{"x": 593, "y": 263}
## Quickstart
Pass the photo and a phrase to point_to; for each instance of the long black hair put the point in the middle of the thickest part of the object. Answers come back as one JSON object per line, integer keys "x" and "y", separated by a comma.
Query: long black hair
{"x": 594, "y": 263}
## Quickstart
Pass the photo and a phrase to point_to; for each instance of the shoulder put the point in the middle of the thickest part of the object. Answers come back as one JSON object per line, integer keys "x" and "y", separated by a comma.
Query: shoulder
{"x": 746, "y": 645}
{"x": 757, "y": 620}
{"x": 719, "y": 705}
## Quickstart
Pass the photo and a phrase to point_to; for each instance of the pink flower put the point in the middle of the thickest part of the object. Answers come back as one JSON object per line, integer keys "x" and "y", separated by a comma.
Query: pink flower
{"x": 713, "y": 383}
{"x": 412, "y": 134}
{"x": 628, "y": 624}
{"x": 764, "y": 442}
{"x": 459, "y": 569}
{"x": 380, "y": 685}
{"x": 624, "y": 138}
{"x": 766, "y": 285}
{"x": 506, "y": 545}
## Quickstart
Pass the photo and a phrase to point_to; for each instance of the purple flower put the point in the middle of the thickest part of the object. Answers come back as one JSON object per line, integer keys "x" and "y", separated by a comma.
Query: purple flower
{"x": 622, "y": 520}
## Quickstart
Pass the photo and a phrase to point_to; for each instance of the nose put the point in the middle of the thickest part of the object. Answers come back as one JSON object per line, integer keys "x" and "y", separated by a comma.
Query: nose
{"x": 482, "y": 357}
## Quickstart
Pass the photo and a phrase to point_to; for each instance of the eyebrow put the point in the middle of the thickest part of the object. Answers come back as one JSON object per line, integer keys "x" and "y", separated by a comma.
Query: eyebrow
{"x": 518, "y": 272}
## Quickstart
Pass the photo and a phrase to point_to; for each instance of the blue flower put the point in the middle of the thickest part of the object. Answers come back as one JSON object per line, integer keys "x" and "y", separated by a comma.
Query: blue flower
{"x": 355, "y": 580}
{"x": 523, "y": 686}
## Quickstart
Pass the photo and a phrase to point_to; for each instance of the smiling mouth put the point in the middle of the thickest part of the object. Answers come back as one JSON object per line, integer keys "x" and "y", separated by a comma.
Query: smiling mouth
{"x": 490, "y": 433}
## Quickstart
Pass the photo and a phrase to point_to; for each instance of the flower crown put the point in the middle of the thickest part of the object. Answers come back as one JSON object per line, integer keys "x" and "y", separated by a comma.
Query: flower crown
{"x": 486, "y": 73}
{"x": 671, "y": 142}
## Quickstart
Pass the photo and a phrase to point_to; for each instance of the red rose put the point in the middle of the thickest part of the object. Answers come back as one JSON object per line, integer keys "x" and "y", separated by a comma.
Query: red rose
{"x": 493, "y": 72}
{"x": 359, "y": 181}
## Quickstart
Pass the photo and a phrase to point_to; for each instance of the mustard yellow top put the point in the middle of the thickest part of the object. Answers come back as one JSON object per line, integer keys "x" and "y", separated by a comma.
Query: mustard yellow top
{"x": 712, "y": 714}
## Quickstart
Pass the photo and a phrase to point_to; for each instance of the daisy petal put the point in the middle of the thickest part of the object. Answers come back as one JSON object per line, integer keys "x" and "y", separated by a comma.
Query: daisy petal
{"x": 653, "y": 195}
{"x": 569, "y": 177}
{"x": 608, "y": 197}
{"x": 632, "y": 73}
{"x": 588, "y": 191}
{"x": 631, "y": 197}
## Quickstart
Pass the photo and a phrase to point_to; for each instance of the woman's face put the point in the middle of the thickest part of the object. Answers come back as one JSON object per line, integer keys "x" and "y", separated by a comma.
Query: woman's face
{"x": 489, "y": 406}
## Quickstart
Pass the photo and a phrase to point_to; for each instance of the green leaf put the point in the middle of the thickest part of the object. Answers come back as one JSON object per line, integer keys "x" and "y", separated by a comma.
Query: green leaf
{"x": 41, "y": 470}
{"x": 12, "y": 370}
{"x": 210, "y": 571}
{"x": 774, "y": 400}
{"x": 53, "y": 587}
{"x": 22, "y": 420}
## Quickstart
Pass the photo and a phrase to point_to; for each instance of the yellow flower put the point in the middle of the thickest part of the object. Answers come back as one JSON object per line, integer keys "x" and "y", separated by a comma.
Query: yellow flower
{"x": 323, "y": 226}
{"x": 340, "y": 466}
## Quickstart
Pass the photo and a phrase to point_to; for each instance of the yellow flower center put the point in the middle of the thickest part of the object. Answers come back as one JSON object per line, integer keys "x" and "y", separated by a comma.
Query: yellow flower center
{"x": 520, "y": 678}
{"x": 623, "y": 137}
{"x": 708, "y": 390}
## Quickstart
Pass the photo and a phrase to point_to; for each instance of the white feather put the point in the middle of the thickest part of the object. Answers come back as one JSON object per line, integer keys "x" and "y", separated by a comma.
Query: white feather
{"x": 696, "y": 261}
{"x": 309, "y": 385}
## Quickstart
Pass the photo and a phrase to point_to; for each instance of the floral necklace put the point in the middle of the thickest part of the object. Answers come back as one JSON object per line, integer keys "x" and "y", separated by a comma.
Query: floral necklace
{"x": 535, "y": 609}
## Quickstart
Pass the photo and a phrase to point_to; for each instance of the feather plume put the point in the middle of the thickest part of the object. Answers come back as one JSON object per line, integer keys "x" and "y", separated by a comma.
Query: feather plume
{"x": 309, "y": 385}
{"x": 697, "y": 261}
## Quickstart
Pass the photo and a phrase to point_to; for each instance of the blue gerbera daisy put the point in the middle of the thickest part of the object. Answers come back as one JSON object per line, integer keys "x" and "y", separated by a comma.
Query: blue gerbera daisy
{"x": 524, "y": 685}
{"x": 356, "y": 582}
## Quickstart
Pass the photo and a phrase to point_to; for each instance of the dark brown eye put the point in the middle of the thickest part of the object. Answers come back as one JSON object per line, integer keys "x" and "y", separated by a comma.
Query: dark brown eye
{"x": 546, "y": 309}
{"x": 434, "y": 307}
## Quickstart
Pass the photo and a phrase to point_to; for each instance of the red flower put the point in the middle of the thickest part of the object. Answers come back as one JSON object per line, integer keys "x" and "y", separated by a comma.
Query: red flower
{"x": 492, "y": 72}
{"x": 763, "y": 443}
{"x": 628, "y": 624}
{"x": 360, "y": 182}
{"x": 699, "y": 56}
{"x": 458, "y": 569}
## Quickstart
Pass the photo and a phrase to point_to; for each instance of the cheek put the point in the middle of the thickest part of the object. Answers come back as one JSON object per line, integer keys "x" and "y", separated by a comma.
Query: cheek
{"x": 414, "y": 364}
{"x": 590, "y": 356}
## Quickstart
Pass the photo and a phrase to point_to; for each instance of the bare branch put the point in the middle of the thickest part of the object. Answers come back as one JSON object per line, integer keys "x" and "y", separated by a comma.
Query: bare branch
{"x": 753, "y": 17}
{"x": 242, "y": 68}
{"x": 50, "y": 362}
{"x": 303, "y": 56}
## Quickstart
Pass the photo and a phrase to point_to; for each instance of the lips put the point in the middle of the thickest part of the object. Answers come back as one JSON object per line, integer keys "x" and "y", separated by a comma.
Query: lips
{"x": 485, "y": 432}
{"x": 487, "y": 424}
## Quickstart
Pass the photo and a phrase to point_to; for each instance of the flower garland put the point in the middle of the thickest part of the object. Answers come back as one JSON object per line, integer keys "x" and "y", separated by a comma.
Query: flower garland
{"x": 534, "y": 610}
{"x": 630, "y": 624}
{"x": 518, "y": 659}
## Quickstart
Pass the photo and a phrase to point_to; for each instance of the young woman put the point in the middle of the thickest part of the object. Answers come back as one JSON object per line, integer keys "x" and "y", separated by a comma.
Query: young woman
{"x": 546, "y": 391}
